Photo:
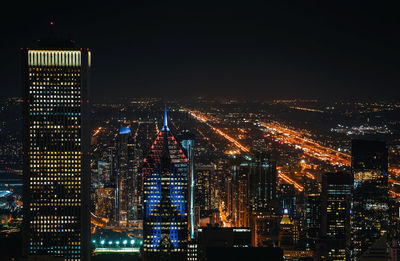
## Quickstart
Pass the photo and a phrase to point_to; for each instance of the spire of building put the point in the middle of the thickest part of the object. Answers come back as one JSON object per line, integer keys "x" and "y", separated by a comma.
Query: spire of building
{"x": 165, "y": 127}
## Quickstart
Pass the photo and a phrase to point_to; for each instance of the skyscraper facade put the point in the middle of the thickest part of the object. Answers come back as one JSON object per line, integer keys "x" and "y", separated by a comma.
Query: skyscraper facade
{"x": 288, "y": 199}
{"x": 56, "y": 150}
{"x": 263, "y": 182}
{"x": 165, "y": 221}
{"x": 187, "y": 142}
{"x": 370, "y": 215}
{"x": 312, "y": 218}
{"x": 126, "y": 192}
{"x": 203, "y": 188}
{"x": 335, "y": 214}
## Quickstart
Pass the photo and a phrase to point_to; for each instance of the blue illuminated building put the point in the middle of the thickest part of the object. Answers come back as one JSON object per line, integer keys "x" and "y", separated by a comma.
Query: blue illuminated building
{"x": 165, "y": 221}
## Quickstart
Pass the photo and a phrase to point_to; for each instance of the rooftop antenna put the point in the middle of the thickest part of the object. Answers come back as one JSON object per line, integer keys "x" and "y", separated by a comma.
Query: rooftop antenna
{"x": 165, "y": 127}
{"x": 51, "y": 28}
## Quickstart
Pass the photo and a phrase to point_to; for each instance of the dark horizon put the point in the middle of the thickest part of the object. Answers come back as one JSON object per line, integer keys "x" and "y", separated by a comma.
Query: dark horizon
{"x": 263, "y": 51}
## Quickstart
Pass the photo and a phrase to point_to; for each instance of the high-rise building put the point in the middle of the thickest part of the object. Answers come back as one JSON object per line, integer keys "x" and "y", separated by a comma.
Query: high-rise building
{"x": 203, "y": 195}
{"x": 165, "y": 174}
{"x": 288, "y": 232}
{"x": 370, "y": 215}
{"x": 312, "y": 219}
{"x": 288, "y": 199}
{"x": 243, "y": 202}
{"x": 335, "y": 214}
{"x": 263, "y": 182}
{"x": 126, "y": 192}
{"x": 56, "y": 150}
{"x": 240, "y": 210}
{"x": 264, "y": 228}
{"x": 187, "y": 142}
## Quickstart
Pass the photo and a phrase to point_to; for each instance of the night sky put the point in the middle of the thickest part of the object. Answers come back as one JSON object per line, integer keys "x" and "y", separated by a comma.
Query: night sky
{"x": 254, "y": 49}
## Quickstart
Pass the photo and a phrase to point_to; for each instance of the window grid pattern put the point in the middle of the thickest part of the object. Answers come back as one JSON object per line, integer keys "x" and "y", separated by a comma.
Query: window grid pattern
{"x": 55, "y": 153}
{"x": 165, "y": 196}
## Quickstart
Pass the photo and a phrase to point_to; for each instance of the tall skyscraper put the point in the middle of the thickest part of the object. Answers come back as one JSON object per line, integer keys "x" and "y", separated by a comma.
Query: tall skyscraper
{"x": 203, "y": 188}
{"x": 370, "y": 215}
{"x": 165, "y": 223}
{"x": 335, "y": 214}
{"x": 288, "y": 234}
{"x": 240, "y": 200}
{"x": 263, "y": 182}
{"x": 288, "y": 199}
{"x": 312, "y": 218}
{"x": 187, "y": 142}
{"x": 126, "y": 192}
{"x": 56, "y": 150}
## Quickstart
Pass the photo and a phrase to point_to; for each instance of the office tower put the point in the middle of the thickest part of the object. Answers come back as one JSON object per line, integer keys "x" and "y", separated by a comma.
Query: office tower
{"x": 56, "y": 150}
{"x": 263, "y": 199}
{"x": 240, "y": 193}
{"x": 137, "y": 204}
{"x": 288, "y": 198}
{"x": 335, "y": 214}
{"x": 394, "y": 230}
{"x": 203, "y": 188}
{"x": 228, "y": 194}
{"x": 243, "y": 207}
{"x": 370, "y": 215}
{"x": 165, "y": 226}
{"x": 263, "y": 182}
{"x": 288, "y": 232}
{"x": 187, "y": 142}
{"x": 312, "y": 219}
{"x": 264, "y": 228}
{"x": 126, "y": 192}
{"x": 217, "y": 187}
{"x": 242, "y": 197}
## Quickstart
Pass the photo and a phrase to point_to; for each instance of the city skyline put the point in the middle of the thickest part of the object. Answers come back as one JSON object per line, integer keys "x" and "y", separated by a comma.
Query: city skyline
{"x": 249, "y": 131}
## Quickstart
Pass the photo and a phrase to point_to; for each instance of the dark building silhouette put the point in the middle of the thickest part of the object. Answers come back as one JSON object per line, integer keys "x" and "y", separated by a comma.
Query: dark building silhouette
{"x": 335, "y": 214}
{"x": 312, "y": 219}
{"x": 263, "y": 182}
{"x": 370, "y": 215}
{"x": 56, "y": 150}
{"x": 288, "y": 199}
{"x": 221, "y": 237}
{"x": 127, "y": 197}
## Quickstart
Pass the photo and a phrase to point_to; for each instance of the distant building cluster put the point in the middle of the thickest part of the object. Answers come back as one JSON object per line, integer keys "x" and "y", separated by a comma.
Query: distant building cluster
{"x": 193, "y": 186}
